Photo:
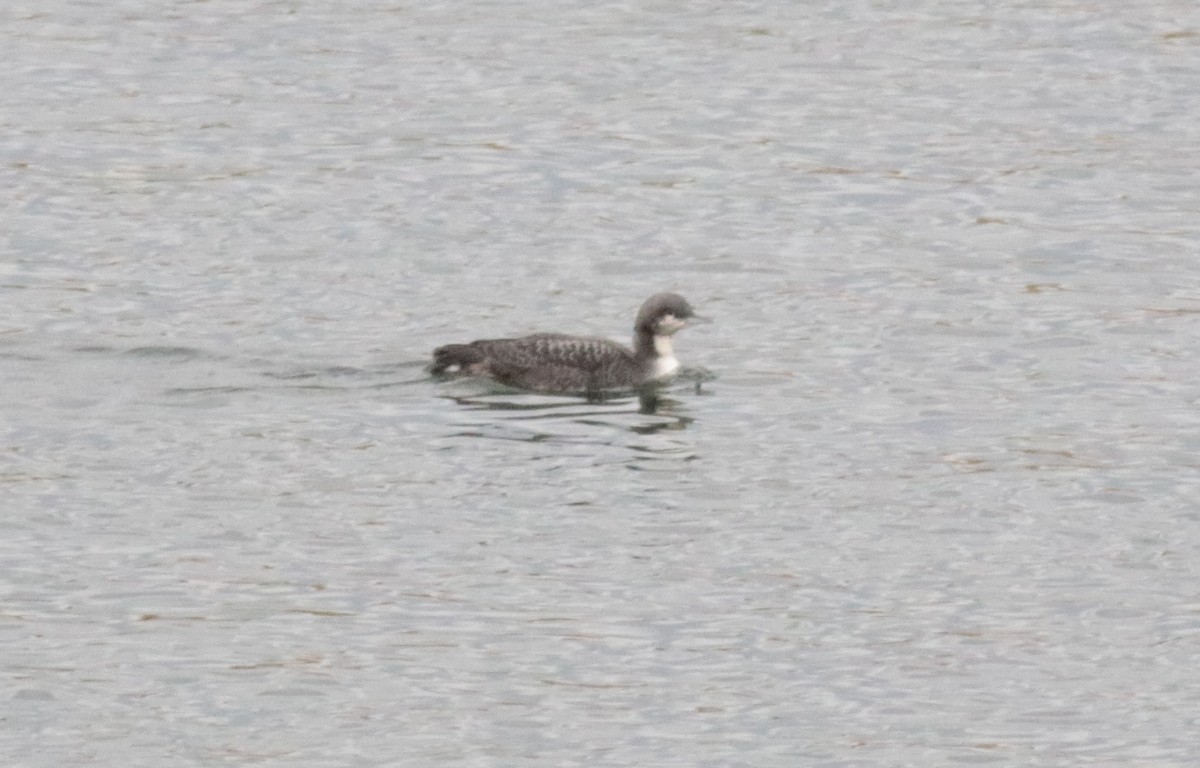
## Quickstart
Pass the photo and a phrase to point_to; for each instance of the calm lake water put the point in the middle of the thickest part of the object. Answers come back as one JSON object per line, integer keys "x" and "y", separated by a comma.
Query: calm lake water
{"x": 935, "y": 502}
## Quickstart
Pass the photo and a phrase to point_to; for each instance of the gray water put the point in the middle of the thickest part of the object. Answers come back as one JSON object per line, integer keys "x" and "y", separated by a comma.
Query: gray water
{"x": 934, "y": 503}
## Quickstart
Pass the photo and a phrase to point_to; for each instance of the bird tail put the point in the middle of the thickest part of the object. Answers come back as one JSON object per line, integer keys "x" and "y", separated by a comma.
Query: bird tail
{"x": 454, "y": 356}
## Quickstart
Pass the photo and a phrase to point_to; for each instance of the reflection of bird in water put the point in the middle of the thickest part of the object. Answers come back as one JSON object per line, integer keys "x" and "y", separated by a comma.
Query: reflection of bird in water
{"x": 553, "y": 362}
{"x": 649, "y": 401}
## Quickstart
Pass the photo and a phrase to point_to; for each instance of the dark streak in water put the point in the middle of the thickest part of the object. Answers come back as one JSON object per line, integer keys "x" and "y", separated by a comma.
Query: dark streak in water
{"x": 186, "y": 353}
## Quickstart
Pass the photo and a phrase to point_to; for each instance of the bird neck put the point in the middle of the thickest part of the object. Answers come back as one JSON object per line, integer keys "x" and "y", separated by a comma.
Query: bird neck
{"x": 648, "y": 345}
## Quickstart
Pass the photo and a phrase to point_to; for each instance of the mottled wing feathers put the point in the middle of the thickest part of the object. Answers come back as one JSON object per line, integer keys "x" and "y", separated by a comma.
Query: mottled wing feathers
{"x": 544, "y": 361}
{"x": 549, "y": 349}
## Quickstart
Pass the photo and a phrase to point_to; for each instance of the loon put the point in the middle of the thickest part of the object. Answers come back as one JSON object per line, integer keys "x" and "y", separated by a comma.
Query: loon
{"x": 555, "y": 362}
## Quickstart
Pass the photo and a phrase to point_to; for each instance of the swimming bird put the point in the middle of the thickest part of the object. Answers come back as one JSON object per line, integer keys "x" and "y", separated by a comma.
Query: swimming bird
{"x": 555, "y": 362}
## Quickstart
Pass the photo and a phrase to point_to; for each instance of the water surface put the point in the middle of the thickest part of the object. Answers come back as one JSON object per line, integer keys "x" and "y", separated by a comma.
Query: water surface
{"x": 936, "y": 507}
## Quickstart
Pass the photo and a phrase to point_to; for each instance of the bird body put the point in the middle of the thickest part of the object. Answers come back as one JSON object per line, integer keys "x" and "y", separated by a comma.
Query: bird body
{"x": 555, "y": 362}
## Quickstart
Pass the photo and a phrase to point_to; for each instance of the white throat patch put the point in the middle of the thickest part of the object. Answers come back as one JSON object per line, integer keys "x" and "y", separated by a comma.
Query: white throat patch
{"x": 665, "y": 364}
